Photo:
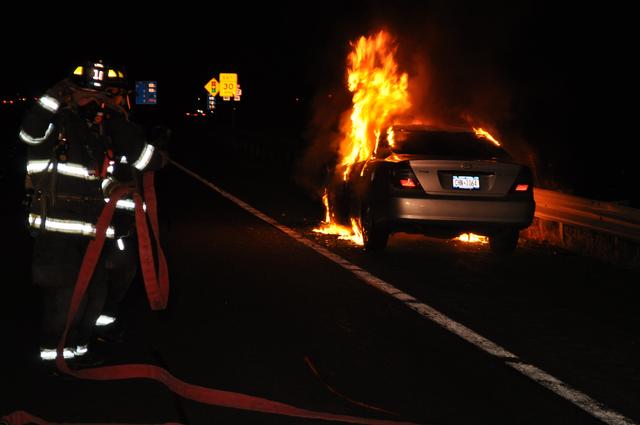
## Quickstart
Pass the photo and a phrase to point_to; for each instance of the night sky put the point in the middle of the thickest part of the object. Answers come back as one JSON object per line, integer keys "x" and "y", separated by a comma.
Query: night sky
{"x": 556, "y": 80}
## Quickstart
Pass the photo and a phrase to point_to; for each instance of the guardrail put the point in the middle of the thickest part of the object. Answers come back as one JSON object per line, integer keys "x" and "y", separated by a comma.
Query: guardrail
{"x": 604, "y": 230}
{"x": 603, "y": 217}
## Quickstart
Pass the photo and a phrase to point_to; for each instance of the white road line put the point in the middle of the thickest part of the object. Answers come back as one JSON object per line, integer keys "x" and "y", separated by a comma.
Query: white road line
{"x": 565, "y": 391}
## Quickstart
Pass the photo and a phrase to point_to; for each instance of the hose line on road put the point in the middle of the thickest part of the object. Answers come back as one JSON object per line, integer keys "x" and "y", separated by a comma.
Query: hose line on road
{"x": 156, "y": 286}
{"x": 315, "y": 372}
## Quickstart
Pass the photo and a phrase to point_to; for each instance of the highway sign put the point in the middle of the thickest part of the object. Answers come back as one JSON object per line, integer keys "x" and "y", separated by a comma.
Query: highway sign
{"x": 212, "y": 86}
{"x": 228, "y": 84}
{"x": 146, "y": 92}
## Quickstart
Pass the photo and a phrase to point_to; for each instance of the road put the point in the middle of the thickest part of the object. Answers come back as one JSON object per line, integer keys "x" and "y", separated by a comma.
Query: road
{"x": 255, "y": 311}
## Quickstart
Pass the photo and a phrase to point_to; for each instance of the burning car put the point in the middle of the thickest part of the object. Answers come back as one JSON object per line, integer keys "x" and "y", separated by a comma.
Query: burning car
{"x": 435, "y": 181}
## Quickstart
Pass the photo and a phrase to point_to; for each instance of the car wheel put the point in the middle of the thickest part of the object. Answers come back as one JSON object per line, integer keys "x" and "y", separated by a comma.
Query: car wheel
{"x": 374, "y": 235}
{"x": 504, "y": 242}
{"x": 339, "y": 202}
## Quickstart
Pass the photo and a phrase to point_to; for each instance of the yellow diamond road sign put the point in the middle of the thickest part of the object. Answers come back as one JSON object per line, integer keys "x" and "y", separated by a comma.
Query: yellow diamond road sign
{"x": 228, "y": 83}
{"x": 212, "y": 87}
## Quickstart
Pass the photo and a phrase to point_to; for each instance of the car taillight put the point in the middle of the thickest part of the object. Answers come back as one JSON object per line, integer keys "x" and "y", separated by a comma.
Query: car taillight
{"x": 408, "y": 182}
{"x": 403, "y": 177}
{"x": 524, "y": 182}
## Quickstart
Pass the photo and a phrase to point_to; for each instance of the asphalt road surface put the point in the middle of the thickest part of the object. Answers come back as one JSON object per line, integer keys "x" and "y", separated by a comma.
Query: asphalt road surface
{"x": 459, "y": 337}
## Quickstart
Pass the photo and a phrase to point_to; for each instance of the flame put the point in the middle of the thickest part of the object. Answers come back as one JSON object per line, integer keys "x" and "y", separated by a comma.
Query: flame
{"x": 329, "y": 227}
{"x": 480, "y": 132}
{"x": 380, "y": 93}
{"x": 391, "y": 136}
{"x": 473, "y": 238}
{"x": 325, "y": 201}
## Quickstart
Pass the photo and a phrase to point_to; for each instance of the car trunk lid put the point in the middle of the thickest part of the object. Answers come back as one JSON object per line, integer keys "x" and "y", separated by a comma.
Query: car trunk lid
{"x": 465, "y": 178}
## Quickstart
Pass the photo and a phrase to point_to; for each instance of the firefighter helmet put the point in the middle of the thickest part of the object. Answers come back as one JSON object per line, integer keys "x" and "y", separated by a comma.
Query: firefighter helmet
{"x": 98, "y": 76}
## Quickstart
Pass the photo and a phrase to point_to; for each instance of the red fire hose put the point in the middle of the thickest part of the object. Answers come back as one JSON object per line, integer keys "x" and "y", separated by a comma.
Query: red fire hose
{"x": 157, "y": 289}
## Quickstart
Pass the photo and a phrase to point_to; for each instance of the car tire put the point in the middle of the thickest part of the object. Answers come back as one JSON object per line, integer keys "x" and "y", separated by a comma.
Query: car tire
{"x": 504, "y": 242}
{"x": 374, "y": 235}
{"x": 339, "y": 201}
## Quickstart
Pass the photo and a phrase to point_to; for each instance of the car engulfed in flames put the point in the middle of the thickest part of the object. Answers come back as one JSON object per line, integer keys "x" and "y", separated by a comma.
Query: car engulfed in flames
{"x": 438, "y": 182}
{"x": 417, "y": 178}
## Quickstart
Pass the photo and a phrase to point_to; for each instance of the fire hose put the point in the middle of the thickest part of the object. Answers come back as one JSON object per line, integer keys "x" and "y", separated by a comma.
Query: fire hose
{"x": 157, "y": 289}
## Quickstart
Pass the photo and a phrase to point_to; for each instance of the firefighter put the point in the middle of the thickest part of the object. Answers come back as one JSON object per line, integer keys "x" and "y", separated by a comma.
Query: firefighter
{"x": 72, "y": 132}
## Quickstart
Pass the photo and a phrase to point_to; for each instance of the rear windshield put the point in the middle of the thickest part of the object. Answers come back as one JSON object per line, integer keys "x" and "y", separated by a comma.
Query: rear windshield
{"x": 446, "y": 144}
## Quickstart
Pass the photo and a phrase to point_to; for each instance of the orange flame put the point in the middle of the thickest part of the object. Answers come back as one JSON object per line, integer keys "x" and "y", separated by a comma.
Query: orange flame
{"x": 329, "y": 227}
{"x": 325, "y": 201}
{"x": 480, "y": 132}
{"x": 379, "y": 94}
{"x": 391, "y": 136}
{"x": 473, "y": 238}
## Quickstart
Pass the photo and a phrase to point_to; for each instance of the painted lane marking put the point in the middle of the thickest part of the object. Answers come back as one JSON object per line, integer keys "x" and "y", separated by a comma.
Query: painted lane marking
{"x": 565, "y": 391}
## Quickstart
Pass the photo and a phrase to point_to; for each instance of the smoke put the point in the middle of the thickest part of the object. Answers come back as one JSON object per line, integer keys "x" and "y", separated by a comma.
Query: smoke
{"x": 330, "y": 111}
{"x": 458, "y": 62}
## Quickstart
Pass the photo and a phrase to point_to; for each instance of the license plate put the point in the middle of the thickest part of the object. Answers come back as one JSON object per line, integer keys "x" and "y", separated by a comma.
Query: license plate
{"x": 466, "y": 182}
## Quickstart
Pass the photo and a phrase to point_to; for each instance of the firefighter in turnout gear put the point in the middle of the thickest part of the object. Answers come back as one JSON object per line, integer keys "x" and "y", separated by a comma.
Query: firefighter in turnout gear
{"x": 73, "y": 132}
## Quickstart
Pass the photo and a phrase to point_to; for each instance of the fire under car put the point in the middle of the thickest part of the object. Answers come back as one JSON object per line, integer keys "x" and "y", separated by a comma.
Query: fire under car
{"x": 437, "y": 182}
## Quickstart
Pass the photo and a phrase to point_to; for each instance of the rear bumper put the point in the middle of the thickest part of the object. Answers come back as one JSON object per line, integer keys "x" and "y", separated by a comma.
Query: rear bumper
{"x": 398, "y": 213}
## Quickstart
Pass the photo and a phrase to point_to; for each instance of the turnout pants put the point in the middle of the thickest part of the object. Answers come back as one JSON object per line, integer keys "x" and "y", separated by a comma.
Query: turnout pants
{"x": 56, "y": 261}
{"x": 121, "y": 263}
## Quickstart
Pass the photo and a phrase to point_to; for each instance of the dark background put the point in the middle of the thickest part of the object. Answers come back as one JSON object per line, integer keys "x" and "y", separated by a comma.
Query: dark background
{"x": 555, "y": 83}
